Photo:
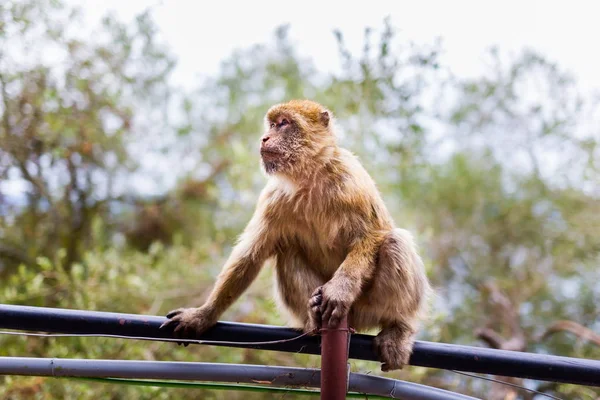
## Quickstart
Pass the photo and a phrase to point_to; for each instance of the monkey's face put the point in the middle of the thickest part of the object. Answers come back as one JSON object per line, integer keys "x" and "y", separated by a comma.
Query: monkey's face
{"x": 297, "y": 132}
{"x": 280, "y": 145}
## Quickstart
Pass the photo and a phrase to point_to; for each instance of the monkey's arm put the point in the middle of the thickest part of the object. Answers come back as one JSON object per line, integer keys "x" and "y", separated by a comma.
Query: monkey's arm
{"x": 345, "y": 286}
{"x": 242, "y": 267}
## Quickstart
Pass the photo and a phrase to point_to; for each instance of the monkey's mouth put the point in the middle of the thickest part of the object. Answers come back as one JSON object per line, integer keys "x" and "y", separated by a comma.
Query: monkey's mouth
{"x": 270, "y": 154}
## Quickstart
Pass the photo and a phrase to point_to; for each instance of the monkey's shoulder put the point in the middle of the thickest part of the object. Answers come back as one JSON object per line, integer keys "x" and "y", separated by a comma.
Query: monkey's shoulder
{"x": 354, "y": 181}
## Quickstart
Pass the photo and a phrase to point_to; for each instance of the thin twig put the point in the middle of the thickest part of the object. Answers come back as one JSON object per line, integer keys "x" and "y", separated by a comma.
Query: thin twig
{"x": 216, "y": 342}
{"x": 505, "y": 383}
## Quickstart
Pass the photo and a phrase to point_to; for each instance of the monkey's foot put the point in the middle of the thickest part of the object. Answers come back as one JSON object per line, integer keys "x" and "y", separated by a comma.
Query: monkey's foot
{"x": 394, "y": 346}
{"x": 189, "y": 323}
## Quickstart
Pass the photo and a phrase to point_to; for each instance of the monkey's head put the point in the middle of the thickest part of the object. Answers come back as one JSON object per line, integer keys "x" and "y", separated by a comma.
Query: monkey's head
{"x": 297, "y": 133}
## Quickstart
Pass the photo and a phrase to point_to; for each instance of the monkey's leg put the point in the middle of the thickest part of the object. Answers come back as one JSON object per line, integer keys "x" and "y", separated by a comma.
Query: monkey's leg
{"x": 296, "y": 284}
{"x": 395, "y": 299}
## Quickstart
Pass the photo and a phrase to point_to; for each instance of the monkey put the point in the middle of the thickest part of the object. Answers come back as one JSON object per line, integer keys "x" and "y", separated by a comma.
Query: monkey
{"x": 336, "y": 249}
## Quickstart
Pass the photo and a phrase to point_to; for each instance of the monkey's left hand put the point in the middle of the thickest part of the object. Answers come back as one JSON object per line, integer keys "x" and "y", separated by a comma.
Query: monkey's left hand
{"x": 335, "y": 301}
{"x": 189, "y": 323}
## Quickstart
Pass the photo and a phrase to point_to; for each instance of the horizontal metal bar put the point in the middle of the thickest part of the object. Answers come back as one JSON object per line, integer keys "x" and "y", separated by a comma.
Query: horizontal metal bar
{"x": 425, "y": 354}
{"x": 239, "y": 373}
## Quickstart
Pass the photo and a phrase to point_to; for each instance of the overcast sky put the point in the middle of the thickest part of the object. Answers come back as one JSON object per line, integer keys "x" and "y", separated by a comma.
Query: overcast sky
{"x": 202, "y": 33}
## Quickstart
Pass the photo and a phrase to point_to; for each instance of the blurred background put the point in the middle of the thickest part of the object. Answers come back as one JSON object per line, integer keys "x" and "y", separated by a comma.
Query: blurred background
{"x": 129, "y": 164}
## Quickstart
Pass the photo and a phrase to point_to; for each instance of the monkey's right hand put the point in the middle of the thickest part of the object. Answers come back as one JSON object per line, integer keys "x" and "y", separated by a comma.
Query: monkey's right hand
{"x": 189, "y": 323}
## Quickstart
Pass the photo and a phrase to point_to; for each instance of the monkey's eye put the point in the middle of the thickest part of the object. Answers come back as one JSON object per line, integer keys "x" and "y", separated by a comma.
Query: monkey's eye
{"x": 284, "y": 122}
{"x": 272, "y": 125}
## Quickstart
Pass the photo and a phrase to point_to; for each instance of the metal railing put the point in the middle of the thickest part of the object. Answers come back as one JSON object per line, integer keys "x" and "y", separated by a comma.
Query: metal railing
{"x": 426, "y": 354}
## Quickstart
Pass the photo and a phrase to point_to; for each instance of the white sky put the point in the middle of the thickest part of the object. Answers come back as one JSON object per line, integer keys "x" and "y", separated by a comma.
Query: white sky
{"x": 202, "y": 33}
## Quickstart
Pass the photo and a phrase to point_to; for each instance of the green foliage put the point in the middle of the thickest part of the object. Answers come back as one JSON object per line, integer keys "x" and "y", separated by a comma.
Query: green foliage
{"x": 120, "y": 281}
{"x": 496, "y": 175}
{"x": 67, "y": 119}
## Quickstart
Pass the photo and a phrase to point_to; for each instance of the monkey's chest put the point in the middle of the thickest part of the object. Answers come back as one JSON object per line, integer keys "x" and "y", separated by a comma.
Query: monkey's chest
{"x": 324, "y": 246}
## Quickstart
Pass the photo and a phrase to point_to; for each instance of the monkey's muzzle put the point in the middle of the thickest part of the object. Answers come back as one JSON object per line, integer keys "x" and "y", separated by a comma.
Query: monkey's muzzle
{"x": 270, "y": 154}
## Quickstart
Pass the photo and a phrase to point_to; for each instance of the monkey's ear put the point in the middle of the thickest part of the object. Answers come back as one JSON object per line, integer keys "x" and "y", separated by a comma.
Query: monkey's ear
{"x": 324, "y": 118}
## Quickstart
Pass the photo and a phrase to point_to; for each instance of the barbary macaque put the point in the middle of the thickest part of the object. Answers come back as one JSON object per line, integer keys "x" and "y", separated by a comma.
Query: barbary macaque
{"x": 336, "y": 250}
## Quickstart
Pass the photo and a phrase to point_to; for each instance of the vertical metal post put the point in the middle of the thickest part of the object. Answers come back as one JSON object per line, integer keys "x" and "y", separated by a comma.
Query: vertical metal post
{"x": 334, "y": 361}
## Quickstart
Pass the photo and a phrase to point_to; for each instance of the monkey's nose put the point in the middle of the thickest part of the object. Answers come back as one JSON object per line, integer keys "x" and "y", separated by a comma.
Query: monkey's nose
{"x": 265, "y": 138}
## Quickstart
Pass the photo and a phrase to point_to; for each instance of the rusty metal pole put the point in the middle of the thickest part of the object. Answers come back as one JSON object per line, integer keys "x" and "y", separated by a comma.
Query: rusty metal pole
{"x": 334, "y": 361}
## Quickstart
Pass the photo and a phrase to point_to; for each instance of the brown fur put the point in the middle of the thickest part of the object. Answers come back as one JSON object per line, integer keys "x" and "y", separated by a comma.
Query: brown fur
{"x": 336, "y": 249}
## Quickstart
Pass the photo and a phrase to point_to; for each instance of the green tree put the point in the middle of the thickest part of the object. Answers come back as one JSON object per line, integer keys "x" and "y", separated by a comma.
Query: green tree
{"x": 69, "y": 108}
{"x": 497, "y": 175}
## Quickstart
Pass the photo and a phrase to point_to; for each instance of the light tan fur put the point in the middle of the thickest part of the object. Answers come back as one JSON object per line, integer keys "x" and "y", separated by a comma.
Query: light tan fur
{"x": 335, "y": 246}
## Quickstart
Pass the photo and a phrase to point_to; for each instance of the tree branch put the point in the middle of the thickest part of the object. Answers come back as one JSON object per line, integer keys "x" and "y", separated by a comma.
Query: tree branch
{"x": 490, "y": 337}
{"x": 575, "y": 328}
{"x": 517, "y": 342}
